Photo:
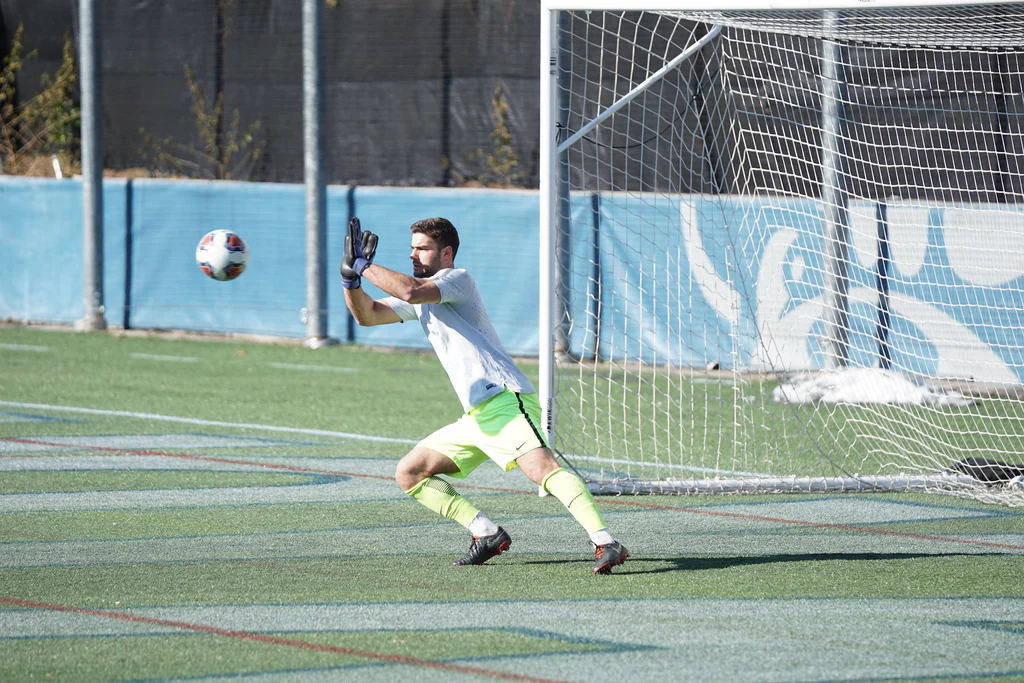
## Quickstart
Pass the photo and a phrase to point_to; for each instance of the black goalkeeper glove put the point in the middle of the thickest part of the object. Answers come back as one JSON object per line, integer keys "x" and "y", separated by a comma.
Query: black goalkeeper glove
{"x": 359, "y": 250}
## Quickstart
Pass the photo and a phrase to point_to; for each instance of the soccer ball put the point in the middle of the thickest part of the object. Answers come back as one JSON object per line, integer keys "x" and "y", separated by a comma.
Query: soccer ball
{"x": 222, "y": 255}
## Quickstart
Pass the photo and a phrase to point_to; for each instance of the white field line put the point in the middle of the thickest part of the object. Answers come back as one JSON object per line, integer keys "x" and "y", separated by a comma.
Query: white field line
{"x": 211, "y": 423}
{"x": 295, "y": 366}
{"x": 340, "y": 435}
{"x": 178, "y": 359}
{"x": 24, "y": 347}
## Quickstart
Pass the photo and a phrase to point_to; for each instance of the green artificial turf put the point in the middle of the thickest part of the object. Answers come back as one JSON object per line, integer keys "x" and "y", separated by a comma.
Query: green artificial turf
{"x": 202, "y": 531}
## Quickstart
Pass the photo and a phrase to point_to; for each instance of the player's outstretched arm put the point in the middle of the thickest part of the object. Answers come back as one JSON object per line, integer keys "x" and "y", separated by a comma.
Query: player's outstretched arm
{"x": 368, "y": 312}
{"x": 405, "y": 287}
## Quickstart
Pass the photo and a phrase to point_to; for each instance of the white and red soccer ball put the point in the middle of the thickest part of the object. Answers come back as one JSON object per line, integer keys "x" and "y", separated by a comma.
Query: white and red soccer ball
{"x": 222, "y": 255}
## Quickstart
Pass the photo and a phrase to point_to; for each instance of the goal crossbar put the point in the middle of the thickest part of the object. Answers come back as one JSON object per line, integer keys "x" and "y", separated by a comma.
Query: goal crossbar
{"x": 632, "y": 94}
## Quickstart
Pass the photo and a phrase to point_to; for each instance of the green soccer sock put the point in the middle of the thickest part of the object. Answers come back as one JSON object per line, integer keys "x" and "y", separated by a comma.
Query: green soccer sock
{"x": 439, "y": 496}
{"x": 570, "y": 489}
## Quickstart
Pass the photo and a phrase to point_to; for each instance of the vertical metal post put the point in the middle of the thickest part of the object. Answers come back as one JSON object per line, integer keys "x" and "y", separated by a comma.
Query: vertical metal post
{"x": 596, "y": 278}
{"x": 129, "y": 252}
{"x": 316, "y": 194}
{"x": 563, "y": 243}
{"x": 92, "y": 168}
{"x": 884, "y": 269}
{"x": 219, "y": 36}
{"x": 835, "y": 199}
{"x": 548, "y": 205}
{"x": 447, "y": 80}
{"x": 350, "y": 322}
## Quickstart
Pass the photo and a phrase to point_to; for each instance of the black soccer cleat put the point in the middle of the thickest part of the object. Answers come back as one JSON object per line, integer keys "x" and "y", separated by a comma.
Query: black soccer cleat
{"x": 484, "y": 548}
{"x": 609, "y": 555}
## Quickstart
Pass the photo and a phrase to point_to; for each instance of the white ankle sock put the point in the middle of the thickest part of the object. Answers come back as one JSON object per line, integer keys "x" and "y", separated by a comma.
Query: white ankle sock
{"x": 481, "y": 526}
{"x": 601, "y": 537}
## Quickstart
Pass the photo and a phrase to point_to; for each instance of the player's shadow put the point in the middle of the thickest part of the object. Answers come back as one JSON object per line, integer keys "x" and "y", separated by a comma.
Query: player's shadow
{"x": 659, "y": 565}
{"x": 656, "y": 565}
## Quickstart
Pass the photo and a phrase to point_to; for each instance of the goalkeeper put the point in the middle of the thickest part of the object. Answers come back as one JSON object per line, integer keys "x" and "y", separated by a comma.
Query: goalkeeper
{"x": 502, "y": 413}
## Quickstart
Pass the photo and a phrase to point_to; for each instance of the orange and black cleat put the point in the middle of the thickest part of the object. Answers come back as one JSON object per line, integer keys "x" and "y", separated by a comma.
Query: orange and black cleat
{"x": 608, "y": 556}
{"x": 484, "y": 548}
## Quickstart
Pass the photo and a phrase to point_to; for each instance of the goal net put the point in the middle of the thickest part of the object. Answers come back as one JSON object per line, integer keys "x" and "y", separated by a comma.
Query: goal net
{"x": 784, "y": 249}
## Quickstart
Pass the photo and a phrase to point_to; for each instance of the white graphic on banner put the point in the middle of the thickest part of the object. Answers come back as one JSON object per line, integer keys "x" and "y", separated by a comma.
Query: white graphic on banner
{"x": 983, "y": 252}
{"x": 717, "y": 292}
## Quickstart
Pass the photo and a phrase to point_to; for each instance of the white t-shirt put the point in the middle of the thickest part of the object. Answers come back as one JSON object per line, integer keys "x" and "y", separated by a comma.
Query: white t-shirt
{"x": 461, "y": 333}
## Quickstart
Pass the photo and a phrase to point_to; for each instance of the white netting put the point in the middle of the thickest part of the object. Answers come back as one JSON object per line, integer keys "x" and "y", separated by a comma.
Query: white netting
{"x": 815, "y": 209}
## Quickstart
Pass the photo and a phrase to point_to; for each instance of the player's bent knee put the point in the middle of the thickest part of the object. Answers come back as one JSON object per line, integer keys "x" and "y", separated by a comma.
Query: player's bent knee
{"x": 537, "y": 464}
{"x": 420, "y": 463}
{"x": 407, "y": 473}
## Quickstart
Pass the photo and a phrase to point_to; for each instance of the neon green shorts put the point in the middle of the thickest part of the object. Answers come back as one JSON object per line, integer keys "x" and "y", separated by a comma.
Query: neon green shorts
{"x": 501, "y": 428}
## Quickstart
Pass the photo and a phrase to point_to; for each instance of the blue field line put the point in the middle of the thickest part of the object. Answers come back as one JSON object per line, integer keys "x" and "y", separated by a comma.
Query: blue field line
{"x": 806, "y": 532}
{"x": 348, "y": 668}
{"x": 1013, "y": 675}
{"x": 258, "y": 460}
{"x": 983, "y": 512}
{"x": 400, "y": 498}
{"x": 325, "y": 458}
{"x": 1014, "y": 627}
{"x": 533, "y": 601}
{"x": 515, "y": 630}
{"x": 134, "y": 435}
{"x": 556, "y": 601}
{"x": 426, "y": 525}
{"x": 580, "y": 555}
{"x": 224, "y": 560}
{"x": 297, "y": 532}
{"x": 314, "y": 480}
{"x": 269, "y": 672}
{"x": 38, "y": 418}
{"x": 258, "y": 558}
{"x": 173, "y": 470}
{"x": 599, "y": 647}
{"x": 986, "y": 511}
{"x": 260, "y": 439}
{"x": 144, "y": 435}
{"x": 178, "y": 470}
{"x": 326, "y": 501}
{"x": 926, "y": 520}
{"x": 290, "y": 558}
{"x": 381, "y": 665}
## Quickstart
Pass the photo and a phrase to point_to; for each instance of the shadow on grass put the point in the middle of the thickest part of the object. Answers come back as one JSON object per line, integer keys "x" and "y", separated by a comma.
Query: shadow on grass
{"x": 705, "y": 563}
{"x": 642, "y": 565}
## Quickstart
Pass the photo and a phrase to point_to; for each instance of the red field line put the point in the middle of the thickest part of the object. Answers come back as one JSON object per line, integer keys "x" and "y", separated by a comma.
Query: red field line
{"x": 609, "y": 501}
{"x": 275, "y": 640}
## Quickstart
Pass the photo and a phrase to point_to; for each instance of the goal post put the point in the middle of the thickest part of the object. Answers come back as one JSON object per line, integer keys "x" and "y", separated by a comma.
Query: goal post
{"x": 782, "y": 245}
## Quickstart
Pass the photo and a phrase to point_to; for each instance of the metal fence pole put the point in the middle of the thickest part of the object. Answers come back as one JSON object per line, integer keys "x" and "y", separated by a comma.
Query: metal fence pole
{"x": 316, "y": 193}
{"x": 92, "y": 169}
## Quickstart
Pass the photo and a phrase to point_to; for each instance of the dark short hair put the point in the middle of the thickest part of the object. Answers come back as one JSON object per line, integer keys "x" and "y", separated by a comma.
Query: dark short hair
{"x": 440, "y": 230}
